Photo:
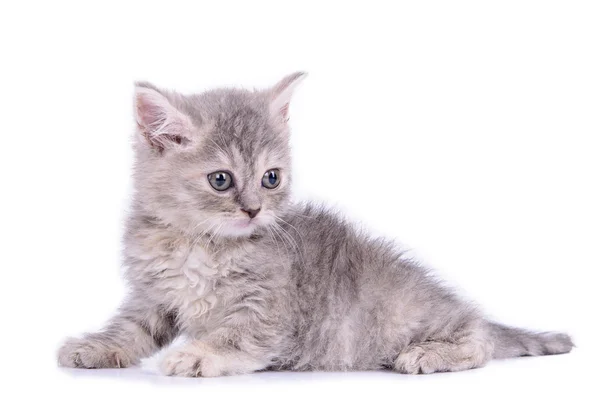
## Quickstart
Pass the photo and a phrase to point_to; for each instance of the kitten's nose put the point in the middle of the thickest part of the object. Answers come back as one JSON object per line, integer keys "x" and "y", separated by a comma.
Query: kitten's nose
{"x": 252, "y": 212}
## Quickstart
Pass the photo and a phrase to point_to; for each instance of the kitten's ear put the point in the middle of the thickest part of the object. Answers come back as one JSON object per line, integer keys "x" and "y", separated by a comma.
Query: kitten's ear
{"x": 281, "y": 94}
{"x": 161, "y": 123}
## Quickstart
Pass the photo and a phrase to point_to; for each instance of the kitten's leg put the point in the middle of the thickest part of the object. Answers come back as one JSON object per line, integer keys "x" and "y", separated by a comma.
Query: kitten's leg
{"x": 133, "y": 334}
{"x": 227, "y": 351}
{"x": 460, "y": 351}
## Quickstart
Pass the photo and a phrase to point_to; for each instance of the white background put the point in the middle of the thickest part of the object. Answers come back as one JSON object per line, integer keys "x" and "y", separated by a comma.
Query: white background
{"x": 469, "y": 131}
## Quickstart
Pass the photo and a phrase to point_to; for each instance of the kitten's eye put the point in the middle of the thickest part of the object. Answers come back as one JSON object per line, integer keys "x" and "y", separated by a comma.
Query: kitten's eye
{"x": 220, "y": 180}
{"x": 271, "y": 179}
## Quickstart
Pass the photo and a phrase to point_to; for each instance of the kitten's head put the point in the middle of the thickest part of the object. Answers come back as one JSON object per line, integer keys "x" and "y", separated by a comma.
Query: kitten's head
{"x": 217, "y": 162}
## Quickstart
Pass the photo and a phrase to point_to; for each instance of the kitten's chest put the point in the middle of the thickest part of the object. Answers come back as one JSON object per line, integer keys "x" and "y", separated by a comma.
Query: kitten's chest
{"x": 188, "y": 280}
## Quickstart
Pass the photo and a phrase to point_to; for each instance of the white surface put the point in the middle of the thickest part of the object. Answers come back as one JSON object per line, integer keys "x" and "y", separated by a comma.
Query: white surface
{"x": 482, "y": 119}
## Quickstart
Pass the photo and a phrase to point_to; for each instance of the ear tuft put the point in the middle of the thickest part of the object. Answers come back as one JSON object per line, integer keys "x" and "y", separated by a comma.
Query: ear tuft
{"x": 162, "y": 124}
{"x": 281, "y": 95}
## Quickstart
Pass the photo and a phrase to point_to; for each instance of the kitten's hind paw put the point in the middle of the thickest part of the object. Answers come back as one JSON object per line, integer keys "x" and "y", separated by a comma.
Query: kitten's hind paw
{"x": 430, "y": 357}
{"x": 83, "y": 353}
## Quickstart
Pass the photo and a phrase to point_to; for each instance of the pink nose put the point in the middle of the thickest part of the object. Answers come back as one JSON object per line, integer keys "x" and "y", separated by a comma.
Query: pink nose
{"x": 252, "y": 213}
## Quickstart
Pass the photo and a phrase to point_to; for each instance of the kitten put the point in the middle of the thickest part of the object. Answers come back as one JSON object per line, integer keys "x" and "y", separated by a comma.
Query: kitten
{"x": 215, "y": 250}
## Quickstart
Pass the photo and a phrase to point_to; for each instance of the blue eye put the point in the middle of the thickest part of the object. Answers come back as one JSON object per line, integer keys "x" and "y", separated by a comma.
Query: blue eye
{"x": 271, "y": 179}
{"x": 220, "y": 180}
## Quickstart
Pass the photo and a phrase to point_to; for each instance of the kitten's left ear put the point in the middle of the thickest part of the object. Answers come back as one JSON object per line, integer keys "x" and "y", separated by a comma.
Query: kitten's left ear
{"x": 281, "y": 94}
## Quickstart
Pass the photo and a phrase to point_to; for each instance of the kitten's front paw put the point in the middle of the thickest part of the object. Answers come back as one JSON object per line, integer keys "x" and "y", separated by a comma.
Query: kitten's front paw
{"x": 182, "y": 363}
{"x": 83, "y": 353}
{"x": 194, "y": 360}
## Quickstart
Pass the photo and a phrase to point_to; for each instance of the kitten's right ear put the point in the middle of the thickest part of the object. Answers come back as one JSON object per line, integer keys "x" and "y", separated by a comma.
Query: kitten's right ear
{"x": 162, "y": 124}
{"x": 281, "y": 94}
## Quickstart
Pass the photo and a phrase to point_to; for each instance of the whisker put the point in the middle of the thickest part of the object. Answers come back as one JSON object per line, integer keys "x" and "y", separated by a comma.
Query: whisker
{"x": 283, "y": 243}
{"x": 276, "y": 243}
{"x": 290, "y": 241}
{"x": 293, "y": 227}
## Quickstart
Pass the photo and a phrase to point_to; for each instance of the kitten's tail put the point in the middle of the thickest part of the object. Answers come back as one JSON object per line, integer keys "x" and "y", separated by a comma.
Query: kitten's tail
{"x": 515, "y": 342}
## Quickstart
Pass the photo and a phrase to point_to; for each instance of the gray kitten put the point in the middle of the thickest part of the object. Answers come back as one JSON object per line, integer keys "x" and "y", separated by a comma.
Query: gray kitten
{"x": 215, "y": 250}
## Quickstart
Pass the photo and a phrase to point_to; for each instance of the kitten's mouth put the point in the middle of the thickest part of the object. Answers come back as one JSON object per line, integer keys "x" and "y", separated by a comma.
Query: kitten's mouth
{"x": 240, "y": 227}
{"x": 245, "y": 223}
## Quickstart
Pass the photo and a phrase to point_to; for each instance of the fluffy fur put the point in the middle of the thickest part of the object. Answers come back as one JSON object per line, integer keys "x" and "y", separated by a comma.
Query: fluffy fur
{"x": 297, "y": 287}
